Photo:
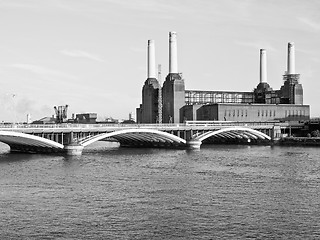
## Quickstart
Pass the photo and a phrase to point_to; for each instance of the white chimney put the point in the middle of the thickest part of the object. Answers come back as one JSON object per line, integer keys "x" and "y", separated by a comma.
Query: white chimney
{"x": 291, "y": 59}
{"x": 263, "y": 66}
{"x": 173, "y": 60}
{"x": 151, "y": 59}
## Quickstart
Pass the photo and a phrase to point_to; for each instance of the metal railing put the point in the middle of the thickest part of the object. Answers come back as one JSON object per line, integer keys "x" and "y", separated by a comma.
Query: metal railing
{"x": 188, "y": 124}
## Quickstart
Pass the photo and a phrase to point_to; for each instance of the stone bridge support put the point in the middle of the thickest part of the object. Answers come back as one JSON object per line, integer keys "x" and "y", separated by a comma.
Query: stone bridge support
{"x": 275, "y": 133}
{"x": 194, "y": 144}
{"x": 73, "y": 149}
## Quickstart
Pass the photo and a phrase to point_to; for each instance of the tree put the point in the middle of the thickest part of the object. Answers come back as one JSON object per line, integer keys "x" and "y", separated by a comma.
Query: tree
{"x": 315, "y": 133}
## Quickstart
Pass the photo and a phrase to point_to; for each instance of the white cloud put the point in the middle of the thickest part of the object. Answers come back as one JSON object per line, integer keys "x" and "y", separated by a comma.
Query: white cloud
{"x": 256, "y": 45}
{"x": 43, "y": 71}
{"x": 82, "y": 54}
{"x": 310, "y": 23}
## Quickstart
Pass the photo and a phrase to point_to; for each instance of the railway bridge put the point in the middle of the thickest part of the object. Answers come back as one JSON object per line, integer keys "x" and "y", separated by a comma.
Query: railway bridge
{"x": 71, "y": 139}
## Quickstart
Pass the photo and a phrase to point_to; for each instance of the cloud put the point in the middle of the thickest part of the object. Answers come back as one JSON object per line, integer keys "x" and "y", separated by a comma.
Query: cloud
{"x": 310, "y": 23}
{"x": 15, "y": 108}
{"x": 256, "y": 45}
{"x": 30, "y": 4}
{"x": 40, "y": 70}
{"x": 142, "y": 5}
{"x": 82, "y": 54}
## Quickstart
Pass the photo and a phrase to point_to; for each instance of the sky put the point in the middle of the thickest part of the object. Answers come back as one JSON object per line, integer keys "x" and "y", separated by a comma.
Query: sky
{"x": 91, "y": 54}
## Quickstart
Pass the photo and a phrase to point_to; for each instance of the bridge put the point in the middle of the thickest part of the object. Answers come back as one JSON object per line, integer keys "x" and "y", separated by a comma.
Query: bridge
{"x": 71, "y": 139}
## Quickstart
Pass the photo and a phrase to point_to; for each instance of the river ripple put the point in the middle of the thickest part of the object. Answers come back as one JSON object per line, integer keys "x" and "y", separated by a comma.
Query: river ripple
{"x": 219, "y": 192}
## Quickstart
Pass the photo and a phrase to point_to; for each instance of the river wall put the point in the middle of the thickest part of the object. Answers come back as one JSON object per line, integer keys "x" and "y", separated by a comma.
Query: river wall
{"x": 300, "y": 141}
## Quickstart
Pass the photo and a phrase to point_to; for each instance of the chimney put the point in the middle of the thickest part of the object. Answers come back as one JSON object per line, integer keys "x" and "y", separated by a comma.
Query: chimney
{"x": 291, "y": 59}
{"x": 173, "y": 62}
{"x": 151, "y": 60}
{"x": 263, "y": 66}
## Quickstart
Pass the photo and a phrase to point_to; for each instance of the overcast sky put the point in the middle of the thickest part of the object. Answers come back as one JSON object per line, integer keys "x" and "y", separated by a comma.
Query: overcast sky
{"x": 91, "y": 54}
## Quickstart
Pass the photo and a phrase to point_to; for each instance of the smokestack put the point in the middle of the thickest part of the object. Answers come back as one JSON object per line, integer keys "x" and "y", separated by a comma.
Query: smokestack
{"x": 173, "y": 61}
{"x": 263, "y": 66}
{"x": 291, "y": 59}
{"x": 151, "y": 60}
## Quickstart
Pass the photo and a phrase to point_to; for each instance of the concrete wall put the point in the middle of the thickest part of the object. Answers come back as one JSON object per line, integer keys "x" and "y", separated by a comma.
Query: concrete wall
{"x": 173, "y": 95}
{"x": 139, "y": 114}
{"x": 208, "y": 112}
{"x": 189, "y": 113}
{"x": 150, "y": 92}
{"x": 298, "y": 94}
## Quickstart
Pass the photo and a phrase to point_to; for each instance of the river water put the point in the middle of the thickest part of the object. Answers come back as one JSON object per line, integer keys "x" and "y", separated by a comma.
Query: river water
{"x": 219, "y": 192}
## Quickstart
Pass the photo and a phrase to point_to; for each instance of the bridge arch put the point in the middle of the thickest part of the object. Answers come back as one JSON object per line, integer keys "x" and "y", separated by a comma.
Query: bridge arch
{"x": 26, "y": 142}
{"x": 235, "y": 132}
{"x": 136, "y": 136}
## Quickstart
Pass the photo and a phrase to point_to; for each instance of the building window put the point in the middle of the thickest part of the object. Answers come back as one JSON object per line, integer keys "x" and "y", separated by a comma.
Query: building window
{"x": 246, "y": 113}
{"x": 285, "y": 113}
{"x": 258, "y": 113}
{"x": 274, "y": 113}
{"x": 238, "y": 113}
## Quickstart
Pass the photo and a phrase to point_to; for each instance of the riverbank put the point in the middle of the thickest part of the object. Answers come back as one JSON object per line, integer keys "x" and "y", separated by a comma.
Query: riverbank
{"x": 300, "y": 141}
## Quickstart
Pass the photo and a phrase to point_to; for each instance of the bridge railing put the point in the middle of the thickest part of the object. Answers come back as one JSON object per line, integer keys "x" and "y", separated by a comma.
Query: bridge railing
{"x": 76, "y": 125}
{"x": 163, "y": 125}
{"x": 232, "y": 123}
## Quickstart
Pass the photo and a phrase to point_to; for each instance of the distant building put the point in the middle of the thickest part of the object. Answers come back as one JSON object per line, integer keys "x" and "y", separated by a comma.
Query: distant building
{"x": 28, "y": 119}
{"x": 109, "y": 120}
{"x": 261, "y": 104}
{"x": 45, "y": 120}
{"x": 89, "y": 118}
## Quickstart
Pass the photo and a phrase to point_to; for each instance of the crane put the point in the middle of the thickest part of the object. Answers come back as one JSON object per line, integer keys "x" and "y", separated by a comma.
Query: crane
{"x": 61, "y": 113}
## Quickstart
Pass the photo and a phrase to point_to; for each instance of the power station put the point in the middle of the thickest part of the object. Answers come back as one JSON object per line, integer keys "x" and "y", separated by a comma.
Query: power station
{"x": 178, "y": 104}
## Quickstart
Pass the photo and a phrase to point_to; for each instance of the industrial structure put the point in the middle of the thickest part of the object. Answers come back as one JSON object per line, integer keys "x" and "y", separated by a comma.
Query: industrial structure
{"x": 150, "y": 90}
{"x": 61, "y": 113}
{"x": 178, "y": 105}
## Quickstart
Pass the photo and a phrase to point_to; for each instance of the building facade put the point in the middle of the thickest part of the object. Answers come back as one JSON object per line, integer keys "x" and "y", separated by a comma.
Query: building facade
{"x": 252, "y": 112}
{"x": 88, "y": 118}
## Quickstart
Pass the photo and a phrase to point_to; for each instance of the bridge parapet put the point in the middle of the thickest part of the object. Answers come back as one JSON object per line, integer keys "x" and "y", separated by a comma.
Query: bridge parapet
{"x": 190, "y": 124}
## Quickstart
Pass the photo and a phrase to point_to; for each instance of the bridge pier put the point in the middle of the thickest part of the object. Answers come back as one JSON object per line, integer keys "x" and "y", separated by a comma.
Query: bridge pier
{"x": 275, "y": 133}
{"x": 73, "y": 149}
{"x": 193, "y": 144}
